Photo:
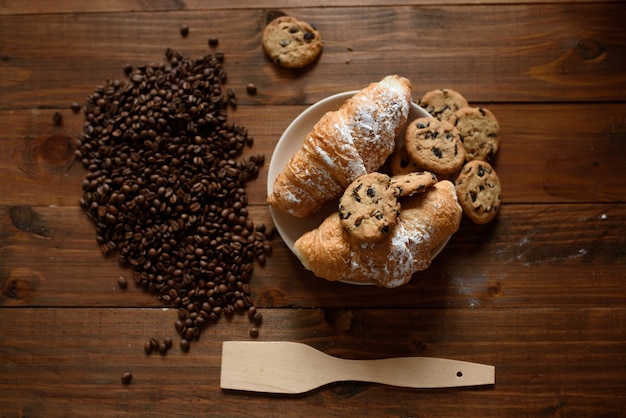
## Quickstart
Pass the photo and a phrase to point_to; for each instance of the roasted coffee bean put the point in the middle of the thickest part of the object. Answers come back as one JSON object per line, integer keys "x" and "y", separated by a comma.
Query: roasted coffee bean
{"x": 251, "y": 89}
{"x": 147, "y": 348}
{"x": 163, "y": 348}
{"x": 168, "y": 342}
{"x": 127, "y": 377}
{"x": 184, "y": 31}
{"x": 257, "y": 319}
{"x": 184, "y": 344}
{"x": 213, "y": 41}
{"x": 254, "y": 332}
{"x": 165, "y": 190}
{"x": 57, "y": 118}
{"x": 75, "y": 107}
{"x": 122, "y": 283}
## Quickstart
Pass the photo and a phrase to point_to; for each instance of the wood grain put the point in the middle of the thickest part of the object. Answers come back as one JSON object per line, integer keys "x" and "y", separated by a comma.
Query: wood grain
{"x": 575, "y": 55}
{"x": 540, "y": 293}
{"x": 540, "y": 160}
{"x": 548, "y": 362}
{"x": 521, "y": 260}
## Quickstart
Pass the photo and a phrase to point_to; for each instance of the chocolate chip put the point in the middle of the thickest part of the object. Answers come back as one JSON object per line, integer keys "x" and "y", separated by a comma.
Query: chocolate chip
{"x": 308, "y": 36}
{"x": 437, "y": 152}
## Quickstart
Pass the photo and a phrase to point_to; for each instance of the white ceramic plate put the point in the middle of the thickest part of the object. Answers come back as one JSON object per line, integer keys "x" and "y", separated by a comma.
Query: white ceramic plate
{"x": 290, "y": 227}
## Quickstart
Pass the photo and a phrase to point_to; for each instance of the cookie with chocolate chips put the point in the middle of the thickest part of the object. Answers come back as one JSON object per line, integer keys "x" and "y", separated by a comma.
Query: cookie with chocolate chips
{"x": 478, "y": 190}
{"x": 407, "y": 185}
{"x": 291, "y": 43}
{"x": 434, "y": 145}
{"x": 442, "y": 103}
{"x": 479, "y": 130}
{"x": 400, "y": 162}
{"x": 369, "y": 207}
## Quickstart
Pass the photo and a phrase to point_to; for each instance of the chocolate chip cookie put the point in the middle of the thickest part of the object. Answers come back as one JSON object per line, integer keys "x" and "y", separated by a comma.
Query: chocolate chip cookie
{"x": 442, "y": 103}
{"x": 291, "y": 43}
{"x": 434, "y": 145}
{"x": 369, "y": 208}
{"x": 411, "y": 183}
{"x": 479, "y": 130}
{"x": 400, "y": 162}
{"x": 478, "y": 189}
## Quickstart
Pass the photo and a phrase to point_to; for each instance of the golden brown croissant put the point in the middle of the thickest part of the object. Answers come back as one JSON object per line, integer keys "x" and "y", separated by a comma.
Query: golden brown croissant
{"x": 425, "y": 223}
{"x": 343, "y": 145}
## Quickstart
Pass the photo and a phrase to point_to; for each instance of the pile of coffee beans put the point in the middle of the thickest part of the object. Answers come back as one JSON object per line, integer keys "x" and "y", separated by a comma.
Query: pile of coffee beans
{"x": 166, "y": 187}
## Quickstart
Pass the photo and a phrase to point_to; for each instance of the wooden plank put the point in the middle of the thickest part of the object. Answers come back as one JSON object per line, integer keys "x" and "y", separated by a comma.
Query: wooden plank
{"x": 532, "y": 255}
{"x": 549, "y": 153}
{"x": 576, "y": 55}
{"x": 68, "y": 362}
{"x": 10, "y": 7}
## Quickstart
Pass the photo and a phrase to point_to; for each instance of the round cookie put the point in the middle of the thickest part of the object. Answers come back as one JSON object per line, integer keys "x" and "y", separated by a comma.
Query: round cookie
{"x": 400, "y": 162}
{"x": 411, "y": 183}
{"x": 442, "y": 103}
{"x": 480, "y": 132}
{"x": 291, "y": 43}
{"x": 369, "y": 208}
{"x": 434, "y": 145}
{"x": 478, "y": 189}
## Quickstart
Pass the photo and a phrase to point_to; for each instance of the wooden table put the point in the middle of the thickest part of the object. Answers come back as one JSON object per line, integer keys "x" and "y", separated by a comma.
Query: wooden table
{"x": 540, "y": 293}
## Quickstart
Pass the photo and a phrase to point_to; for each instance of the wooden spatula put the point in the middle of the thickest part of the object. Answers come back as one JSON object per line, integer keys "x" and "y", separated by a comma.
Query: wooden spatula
{"x": 288, "y": 367}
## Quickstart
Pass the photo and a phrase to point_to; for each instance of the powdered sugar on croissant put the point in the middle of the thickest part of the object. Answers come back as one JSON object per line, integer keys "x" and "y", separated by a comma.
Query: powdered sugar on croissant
{"x": 343, "y": 145}
{"x": 425, "y": 223}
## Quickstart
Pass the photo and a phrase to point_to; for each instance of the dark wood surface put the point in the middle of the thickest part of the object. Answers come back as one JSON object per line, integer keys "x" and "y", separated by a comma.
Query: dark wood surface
{"x": 540, "y": 293}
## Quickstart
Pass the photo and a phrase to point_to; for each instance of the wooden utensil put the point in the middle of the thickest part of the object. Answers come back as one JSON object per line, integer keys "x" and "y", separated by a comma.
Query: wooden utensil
{"x": 288, "y": 367}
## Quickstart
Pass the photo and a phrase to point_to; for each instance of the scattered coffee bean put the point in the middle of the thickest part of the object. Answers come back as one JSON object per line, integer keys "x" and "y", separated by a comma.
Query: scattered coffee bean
{"x": 184, "y": 344}
{"x": 184, "y": 31}
{"x": 254, "y": 332}
{"x": 128, "y": 69}
{"x": 122, "y": 283}
{"x": 75, "y": 107}
{"x": 166, "y": 190}
{"x": 251, "y": 312}
{"x": 57, "y": 118}
{"x": 251, "y": 89}
{"x": 213, "y": 41}
{"x": 126, "y": 378}
{"x": 147, "y": 348}
{"x": 168, "y": 342}
{"x": 257, "y": 319}
{"x": 163, "y": 349}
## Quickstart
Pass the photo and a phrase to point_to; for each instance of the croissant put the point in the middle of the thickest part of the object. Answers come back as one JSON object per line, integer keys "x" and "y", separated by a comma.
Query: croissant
{"x": 343, "y": 145}
{"x": 425, "y": 223}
